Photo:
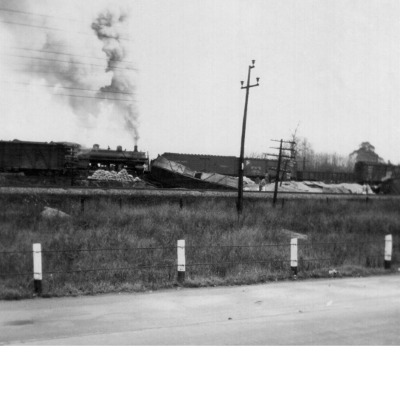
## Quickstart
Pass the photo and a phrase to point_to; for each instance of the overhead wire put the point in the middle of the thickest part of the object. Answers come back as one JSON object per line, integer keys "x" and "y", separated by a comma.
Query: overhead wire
{"x": 66, "y": 87}
{"x": 85, "y": 97}
{"x": 64, "y": 54}
{"x": 44, "y": 59}
{"x": 34, "y": 14}
{"x": 50, "y": 16}
{"x": 59, "y": 29}
{"x": 68, "y": 62}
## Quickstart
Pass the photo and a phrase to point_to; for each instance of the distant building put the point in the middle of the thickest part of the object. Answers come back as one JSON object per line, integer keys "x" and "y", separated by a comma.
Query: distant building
{"x": 365, "y": 153}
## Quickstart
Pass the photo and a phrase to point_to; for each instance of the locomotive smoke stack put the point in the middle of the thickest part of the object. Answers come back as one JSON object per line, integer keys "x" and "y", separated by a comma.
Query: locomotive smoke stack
{"x": 135, "y": 148}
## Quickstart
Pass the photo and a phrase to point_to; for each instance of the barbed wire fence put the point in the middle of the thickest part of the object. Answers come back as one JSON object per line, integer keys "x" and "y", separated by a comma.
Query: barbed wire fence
{"x": 163, "y": 266}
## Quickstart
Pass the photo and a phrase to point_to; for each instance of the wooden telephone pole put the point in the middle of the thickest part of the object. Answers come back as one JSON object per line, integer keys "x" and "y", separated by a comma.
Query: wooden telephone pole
{"x": 280, "y": 156}
{"x": 241, "y": 158}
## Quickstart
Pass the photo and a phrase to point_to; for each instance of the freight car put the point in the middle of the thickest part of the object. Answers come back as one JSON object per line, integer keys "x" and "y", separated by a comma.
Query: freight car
{"x": 66, "y": 159}
{"x": 322, "y": 176}
{"x": 364, "y": 172}
{"x": 225, "y": 165}
{"x": 371, "y": 172}
{"x": 36, "y": 158}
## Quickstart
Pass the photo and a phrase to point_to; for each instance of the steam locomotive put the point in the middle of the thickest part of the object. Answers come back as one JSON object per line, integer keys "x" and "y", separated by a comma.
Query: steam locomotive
{"x": 66, "y": 158}
{"x": 135, "y": 162}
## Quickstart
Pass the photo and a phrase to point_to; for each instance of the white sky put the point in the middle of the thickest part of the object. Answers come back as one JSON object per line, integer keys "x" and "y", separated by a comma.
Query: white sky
{"x": 333, "y": 65}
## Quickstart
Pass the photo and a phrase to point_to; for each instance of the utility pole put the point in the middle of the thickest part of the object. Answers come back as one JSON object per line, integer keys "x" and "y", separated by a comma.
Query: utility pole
{"x": 278, "y": 168}
{"x": 290, "y": 161}
{"x": 241, "y": 158}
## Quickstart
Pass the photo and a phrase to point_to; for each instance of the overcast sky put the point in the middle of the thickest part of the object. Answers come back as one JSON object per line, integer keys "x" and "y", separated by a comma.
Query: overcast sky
{"x": 332, "y": 65}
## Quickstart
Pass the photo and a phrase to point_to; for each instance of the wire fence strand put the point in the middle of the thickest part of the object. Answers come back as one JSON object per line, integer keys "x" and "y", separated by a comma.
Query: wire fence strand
{"x": 168, "y": 264}
{"x": 193, "y": 247}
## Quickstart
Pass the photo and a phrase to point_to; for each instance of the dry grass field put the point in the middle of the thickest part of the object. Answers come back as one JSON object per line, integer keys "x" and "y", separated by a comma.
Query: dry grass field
{"x": 131, "y": 246}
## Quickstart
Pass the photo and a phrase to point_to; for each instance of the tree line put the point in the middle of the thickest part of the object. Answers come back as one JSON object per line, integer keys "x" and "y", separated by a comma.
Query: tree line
{"x": 307, "y": 159}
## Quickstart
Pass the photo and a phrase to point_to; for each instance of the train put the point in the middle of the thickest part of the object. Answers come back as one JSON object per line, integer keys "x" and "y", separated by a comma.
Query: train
{"x": 35, "y": 157}
{"x": 66, "y": 158}
{"x": 373, "y": 172}
{"x": 69, "y": 159}
{"x": 135, "y": 162}
{"x": 363, "y": 172}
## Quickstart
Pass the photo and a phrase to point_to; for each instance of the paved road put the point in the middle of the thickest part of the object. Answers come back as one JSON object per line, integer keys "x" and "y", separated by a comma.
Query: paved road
{"x": 356, "y": 311}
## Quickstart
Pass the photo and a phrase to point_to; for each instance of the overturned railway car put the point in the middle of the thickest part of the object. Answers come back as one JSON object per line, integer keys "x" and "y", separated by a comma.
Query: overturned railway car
{"x": 363, "y": 172}
{"x": 225, "y": 165}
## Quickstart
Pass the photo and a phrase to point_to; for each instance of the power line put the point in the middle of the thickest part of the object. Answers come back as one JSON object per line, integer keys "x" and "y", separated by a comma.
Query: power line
{"x": 58, "y": 29}
{"x": 65, "y": 87}
{"x": 40, "y": 72}
{"x": 85, "y": 97}
{"x": 66, "y": 61}
{"x": 63, "y": 54}
{"x": 93, "y": 97}
{"x": 35, "y": 14}
{"x": 40, "y": 27}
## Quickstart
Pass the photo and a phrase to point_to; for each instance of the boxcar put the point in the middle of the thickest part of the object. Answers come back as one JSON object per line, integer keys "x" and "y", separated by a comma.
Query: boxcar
{"x": 255, "y": 167}
{"x": 225, "y": 165}
{"x": 32, "y": 157}
{"x": 325, "y": 176}
{"x": 374, "y": 172}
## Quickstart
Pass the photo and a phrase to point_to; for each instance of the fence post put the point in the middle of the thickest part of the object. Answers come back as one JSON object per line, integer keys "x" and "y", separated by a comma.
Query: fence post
{"x": 82, "y": 204}
{"x": 293, "y": 256}
{"x": 37, "y": 268}
{"x": 388, "y": 251}
{"x": 181, "y": 261}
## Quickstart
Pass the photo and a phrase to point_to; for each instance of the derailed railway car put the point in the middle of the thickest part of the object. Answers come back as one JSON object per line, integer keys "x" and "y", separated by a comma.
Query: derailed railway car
{"x": 258, "y": 167}
{"x": 225, "y": 165}
{"x": 364, "y": 172}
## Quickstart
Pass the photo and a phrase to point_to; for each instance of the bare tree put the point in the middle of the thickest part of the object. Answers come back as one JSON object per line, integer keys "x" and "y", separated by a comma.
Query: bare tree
{"x": 309, "y": 160}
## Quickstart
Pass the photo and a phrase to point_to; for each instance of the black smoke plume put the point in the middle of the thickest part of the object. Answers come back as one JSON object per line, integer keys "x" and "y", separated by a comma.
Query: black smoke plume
{"x": 110, "y": 28}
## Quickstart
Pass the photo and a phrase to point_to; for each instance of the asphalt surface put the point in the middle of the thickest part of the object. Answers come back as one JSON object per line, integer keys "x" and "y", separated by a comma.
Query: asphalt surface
{"x": 354, "y": 311}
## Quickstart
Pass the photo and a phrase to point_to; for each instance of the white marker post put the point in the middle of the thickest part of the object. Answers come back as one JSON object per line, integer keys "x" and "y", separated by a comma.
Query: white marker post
{"x": 37, "y": 268}
{"x": 181, "y": 261}
{"x": 293, "y": 256}
{"x": 388, "y": 251}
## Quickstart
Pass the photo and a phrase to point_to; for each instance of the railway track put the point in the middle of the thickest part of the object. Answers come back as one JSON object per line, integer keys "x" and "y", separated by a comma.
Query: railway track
{"x": 181, "y": 193}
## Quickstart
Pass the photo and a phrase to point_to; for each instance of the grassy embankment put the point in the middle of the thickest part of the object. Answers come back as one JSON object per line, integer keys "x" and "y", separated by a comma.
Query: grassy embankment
{"x": 338, "y": 229}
